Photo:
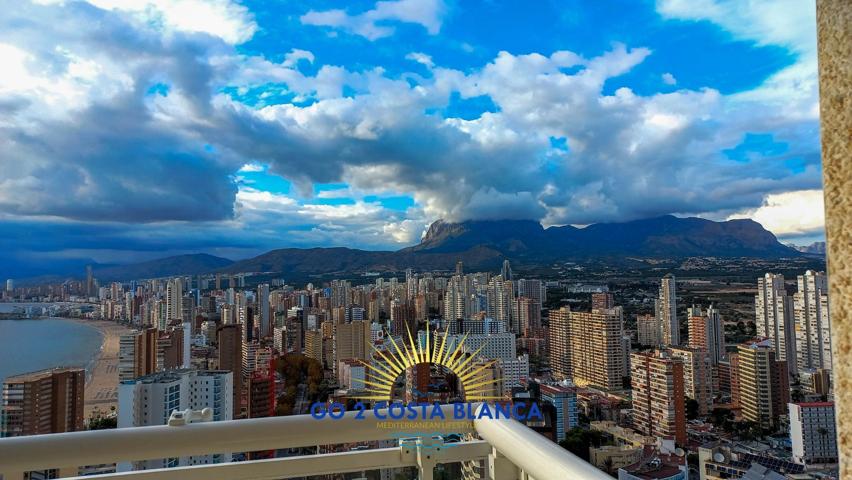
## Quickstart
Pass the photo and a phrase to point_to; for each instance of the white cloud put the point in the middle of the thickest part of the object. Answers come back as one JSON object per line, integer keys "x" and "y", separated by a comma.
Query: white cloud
{"x": 252, "y": 167}
{"x": 296, "y": 54}
{"x": 790, "y": 214}
{"x": 336, "y": 193}
{"x": 788, "y": 23}
{"x": 405, "y": 232}
{"x": 421, "y": 58}
{"x": 225, "y": 19}
{"x": 669, "y": 79}
{"x": 372, "y": 23}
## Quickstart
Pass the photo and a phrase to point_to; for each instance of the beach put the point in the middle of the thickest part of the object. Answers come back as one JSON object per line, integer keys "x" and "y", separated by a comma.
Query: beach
{"x": 102, "y": 380}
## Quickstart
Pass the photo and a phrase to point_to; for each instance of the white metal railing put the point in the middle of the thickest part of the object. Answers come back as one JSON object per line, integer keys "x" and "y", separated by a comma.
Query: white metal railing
{"x": 512, "y": 451}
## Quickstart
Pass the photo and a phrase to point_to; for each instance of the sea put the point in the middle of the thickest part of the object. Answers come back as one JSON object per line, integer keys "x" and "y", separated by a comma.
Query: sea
{"x": 27, "y": 345}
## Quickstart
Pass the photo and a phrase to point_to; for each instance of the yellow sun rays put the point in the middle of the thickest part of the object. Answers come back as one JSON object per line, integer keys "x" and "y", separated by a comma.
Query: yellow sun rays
{"x": 476, "y": 378}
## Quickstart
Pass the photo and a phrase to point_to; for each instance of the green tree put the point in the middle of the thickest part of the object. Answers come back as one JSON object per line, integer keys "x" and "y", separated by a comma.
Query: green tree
{"x": 578, "y": 441}
{"x": 722, "y": 418}
{"x": 103, "y": 423}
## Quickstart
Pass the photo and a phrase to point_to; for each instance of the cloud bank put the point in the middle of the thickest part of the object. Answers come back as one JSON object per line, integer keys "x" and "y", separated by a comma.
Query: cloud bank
{"x": 148, "y": 114}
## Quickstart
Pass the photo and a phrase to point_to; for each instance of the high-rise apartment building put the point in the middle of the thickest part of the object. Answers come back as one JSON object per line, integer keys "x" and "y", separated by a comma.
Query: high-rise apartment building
{"x": 351, "y": 340}
{"x": 648, "y": 331}
{"x": 501, "y": 302}
{"x": 313, "y": 345}
{"x": 813, "y": 322}
{"x": 563, "y": 399}
{"x": 764, "y": 385}
{"x": 667, "y": 311}
{"x": 403, "y": 318}
{"x": 587, "y": 347}
{"x": 261, "y": 394}
{"x": 174, "y": 300}
{"x": 457, "y": 298}
{"x": 532, "y": 289}
{"x": 774, "y": 317}
{"x": 137, "y": 353}
{"x": 528, "y": 314}
{"x": 171, "y": 349}
{"x": 47, "y": 401}
{"x": 150, "y": 400}
{"x": 733, "y": 377}
{"x": 506, "y": 271}
{"x": 602, "y": 301}
{"x": 90, "y": 281}
{"x": 697, "y": 376}
{"x": 231, "y": 360}
{"x": 813, "y": 433}
{"x": 706, "y": 332}
{"x": 496, "y": 346}
{"x": 658, "y": 392}
{"x": 265, "y": 324}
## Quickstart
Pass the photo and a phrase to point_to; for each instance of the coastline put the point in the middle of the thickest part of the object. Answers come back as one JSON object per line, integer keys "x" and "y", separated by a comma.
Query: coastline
{"x": 102, "y": 373}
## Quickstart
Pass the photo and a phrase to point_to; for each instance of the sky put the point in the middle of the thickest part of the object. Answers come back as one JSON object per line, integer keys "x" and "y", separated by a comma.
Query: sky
{"x": 136, "y": 129}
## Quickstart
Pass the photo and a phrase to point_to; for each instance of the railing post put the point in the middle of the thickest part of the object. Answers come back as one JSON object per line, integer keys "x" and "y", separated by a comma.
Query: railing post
{"x": 500, "y": 467}
{"x": 426, "y": 461}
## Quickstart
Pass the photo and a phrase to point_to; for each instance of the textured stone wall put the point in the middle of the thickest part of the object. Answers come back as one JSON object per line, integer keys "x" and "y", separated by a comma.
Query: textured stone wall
{"x": 834, "y": 32}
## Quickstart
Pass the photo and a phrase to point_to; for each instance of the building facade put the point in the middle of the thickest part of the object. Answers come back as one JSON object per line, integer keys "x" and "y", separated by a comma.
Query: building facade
{"x": 150, "y": 400}
{"x": 813, "y": 322}
{"x": 47, "y": 401}
{"x": 813, "y": 432}
{"x": 774, "y": 317}
{"x": 667, "y": 311}
{"x": 658, "y": 392}
{"x": 764, "y": 386}
{"x": 586, "y": 347}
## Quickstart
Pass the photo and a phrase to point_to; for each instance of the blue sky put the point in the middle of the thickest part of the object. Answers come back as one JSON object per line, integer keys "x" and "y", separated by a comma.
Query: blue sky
{"x": 137, "y": 129}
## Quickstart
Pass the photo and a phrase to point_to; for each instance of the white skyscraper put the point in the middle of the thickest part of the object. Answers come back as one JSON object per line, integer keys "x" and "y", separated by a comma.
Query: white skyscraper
{"x": 813, "y": 322}
{"x": 456, "y": 297}
{"x": 667, "y": 311}
{"x": 174, "y": 300}
{"x": 150, "y": 400}
{"x": 774, "y": 317}
{"x": 501, "y": 302}
{"x": 813, "y": 433}
{"x": 498, "y": 346}
{"x": 506, "y": 272}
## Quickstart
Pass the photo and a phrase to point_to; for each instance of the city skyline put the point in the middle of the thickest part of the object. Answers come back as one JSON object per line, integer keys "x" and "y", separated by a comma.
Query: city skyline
{"x": 245, "y": 127}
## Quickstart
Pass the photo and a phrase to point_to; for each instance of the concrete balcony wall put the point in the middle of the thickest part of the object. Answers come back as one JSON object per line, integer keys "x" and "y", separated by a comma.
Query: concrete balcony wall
{"x": 834, "y": 35}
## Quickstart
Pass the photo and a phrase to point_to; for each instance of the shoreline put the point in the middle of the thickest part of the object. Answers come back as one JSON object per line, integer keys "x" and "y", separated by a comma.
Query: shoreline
{"x": 101, "y": 393}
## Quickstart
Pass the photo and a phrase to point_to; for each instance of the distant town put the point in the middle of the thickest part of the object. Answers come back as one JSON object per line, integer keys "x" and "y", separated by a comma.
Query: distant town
{"x": 645, "y": 377}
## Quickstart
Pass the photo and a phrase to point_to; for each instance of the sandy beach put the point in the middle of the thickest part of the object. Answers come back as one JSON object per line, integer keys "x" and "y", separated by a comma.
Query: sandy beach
{"x": 102, "y": 380}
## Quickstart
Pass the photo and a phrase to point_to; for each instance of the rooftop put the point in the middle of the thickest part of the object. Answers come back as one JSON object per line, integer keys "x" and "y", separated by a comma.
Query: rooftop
{"x": 40, "y": 374}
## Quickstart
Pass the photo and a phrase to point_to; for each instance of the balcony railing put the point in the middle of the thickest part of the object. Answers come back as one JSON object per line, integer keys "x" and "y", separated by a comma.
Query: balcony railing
{"x": 510, "y": 450}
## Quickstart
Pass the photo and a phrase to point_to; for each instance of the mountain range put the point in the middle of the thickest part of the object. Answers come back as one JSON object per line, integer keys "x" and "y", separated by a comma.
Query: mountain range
{"x": 484, "y": 244}
{"x": 816, "y": 248}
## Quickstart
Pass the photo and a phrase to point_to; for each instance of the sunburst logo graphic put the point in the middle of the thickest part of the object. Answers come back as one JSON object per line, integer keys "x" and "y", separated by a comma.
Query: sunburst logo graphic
{"x": 475, "y": 377}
